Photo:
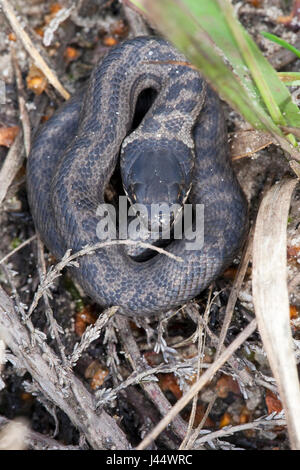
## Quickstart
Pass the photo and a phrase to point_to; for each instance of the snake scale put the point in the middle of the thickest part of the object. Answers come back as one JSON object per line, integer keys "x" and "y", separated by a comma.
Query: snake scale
{"x": 76, "y": 152}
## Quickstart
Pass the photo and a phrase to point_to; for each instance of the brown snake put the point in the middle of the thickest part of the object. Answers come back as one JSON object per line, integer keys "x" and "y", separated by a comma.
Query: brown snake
{"x": 180, "y": 142}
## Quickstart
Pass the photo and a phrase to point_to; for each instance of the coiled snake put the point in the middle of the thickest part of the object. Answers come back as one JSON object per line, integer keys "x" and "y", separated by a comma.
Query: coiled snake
{"x": 183, "y": 133}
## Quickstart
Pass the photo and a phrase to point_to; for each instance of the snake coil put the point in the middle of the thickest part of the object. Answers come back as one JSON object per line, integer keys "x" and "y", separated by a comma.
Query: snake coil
{"x": 76, "y": 152}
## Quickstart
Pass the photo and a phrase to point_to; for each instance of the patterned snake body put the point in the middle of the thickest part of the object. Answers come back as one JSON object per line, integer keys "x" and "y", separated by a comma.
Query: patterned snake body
{"x": 76, "y": 152}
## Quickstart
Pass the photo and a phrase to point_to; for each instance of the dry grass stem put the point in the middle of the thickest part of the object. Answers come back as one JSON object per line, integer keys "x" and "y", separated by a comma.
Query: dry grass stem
{"x": 201, "y": 333}
{"x": 31, "y": 49}
{"x": 237, "y": 284}
{"x": 229, "y": 430}
{"x": 24, "y": 117}
{"x": 15, "y": 250}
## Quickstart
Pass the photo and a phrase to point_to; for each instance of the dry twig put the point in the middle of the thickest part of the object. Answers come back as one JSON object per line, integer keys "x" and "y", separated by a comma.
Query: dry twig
{"x": 31, "y": 49}
{"x": 57, "y": 383}
{"x": 24, "y": 117}
{"x": 197, "y": 386}
{"x": 15, "y": 250}
{"x": 138, "y": 363}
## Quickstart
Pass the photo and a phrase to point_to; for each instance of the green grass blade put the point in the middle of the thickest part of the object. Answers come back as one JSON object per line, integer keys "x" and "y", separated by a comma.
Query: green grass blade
{"x": 281, "y": 42}
{"x": 205, "y": 31}
{"x": 249, "y": 55}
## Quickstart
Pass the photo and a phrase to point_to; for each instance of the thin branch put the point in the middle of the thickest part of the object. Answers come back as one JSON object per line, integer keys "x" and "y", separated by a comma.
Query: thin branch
{"x": 31, "y": 49}
{"x": 197, "y": 386}
{"x": 91, "y": 333}
{"x": 57, "y": 382}
{"x": 68, "y": 259}
{"x": 24, "y": 117}
{"x": 55, "y": 329}
{"x": 15, "y": 250}
{"x": 229, "y": 430}
{"x": 201, "y": 345}
{"x": 152, "y": 389}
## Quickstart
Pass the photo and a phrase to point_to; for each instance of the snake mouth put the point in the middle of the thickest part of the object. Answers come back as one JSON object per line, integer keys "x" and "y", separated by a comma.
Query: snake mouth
{"x": 157, "y": 220}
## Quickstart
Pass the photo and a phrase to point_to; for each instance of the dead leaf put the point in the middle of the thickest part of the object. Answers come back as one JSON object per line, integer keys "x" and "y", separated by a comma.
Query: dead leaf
{"x": 226, "y": 420}
{"x": 246, "y": 143}
{"x": 71, "y": 54}
{"x": 8, "y": 135}
{"x": 293, "y": 312}
{"x": 225, "y": 385}
{"x": 96, "y": 373}
{"x": 109, "y": 41}
{"x": 255, "y": 3}
{"x": 271, "y": 299}
{"x": 83, "y": 319}
{"x": 36, "y": 80}
{"x": 273, "y": 403}
{"x": 168, "y": 382}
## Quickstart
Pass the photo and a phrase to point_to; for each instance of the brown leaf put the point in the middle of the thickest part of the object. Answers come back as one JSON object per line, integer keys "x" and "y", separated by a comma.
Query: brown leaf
{"x": 36, "y": 80}
{"x": 8, "y": 135}
{"x": 97, "y": 373}
{"x": 109, "y": 41}
{"x": 294, "y": 313}
{"x": 169, "y": 382}
{"x": 225, "y": 385}
{"x": 293, "y": 252}
{"x": 273, "y": 403}
{"x": 244, "y": 415}
{"x": 199, "y": 414}
{"x": 255, "y": 3}
{"x": 84, "y": 318}
{"x": 71, "y": 54}
{"x": 225, "y": 420}
{"x": 246, "y": 143}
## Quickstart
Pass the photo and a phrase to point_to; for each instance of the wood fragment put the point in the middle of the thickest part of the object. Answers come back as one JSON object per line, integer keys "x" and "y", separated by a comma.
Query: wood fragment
{"x": 57, "y": 383}
{"x": 12, "y": 164}
{"x": 38, "y": 441}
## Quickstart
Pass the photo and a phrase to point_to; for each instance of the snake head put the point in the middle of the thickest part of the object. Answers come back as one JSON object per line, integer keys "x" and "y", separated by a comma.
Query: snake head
{"x": 157, "y": 177}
